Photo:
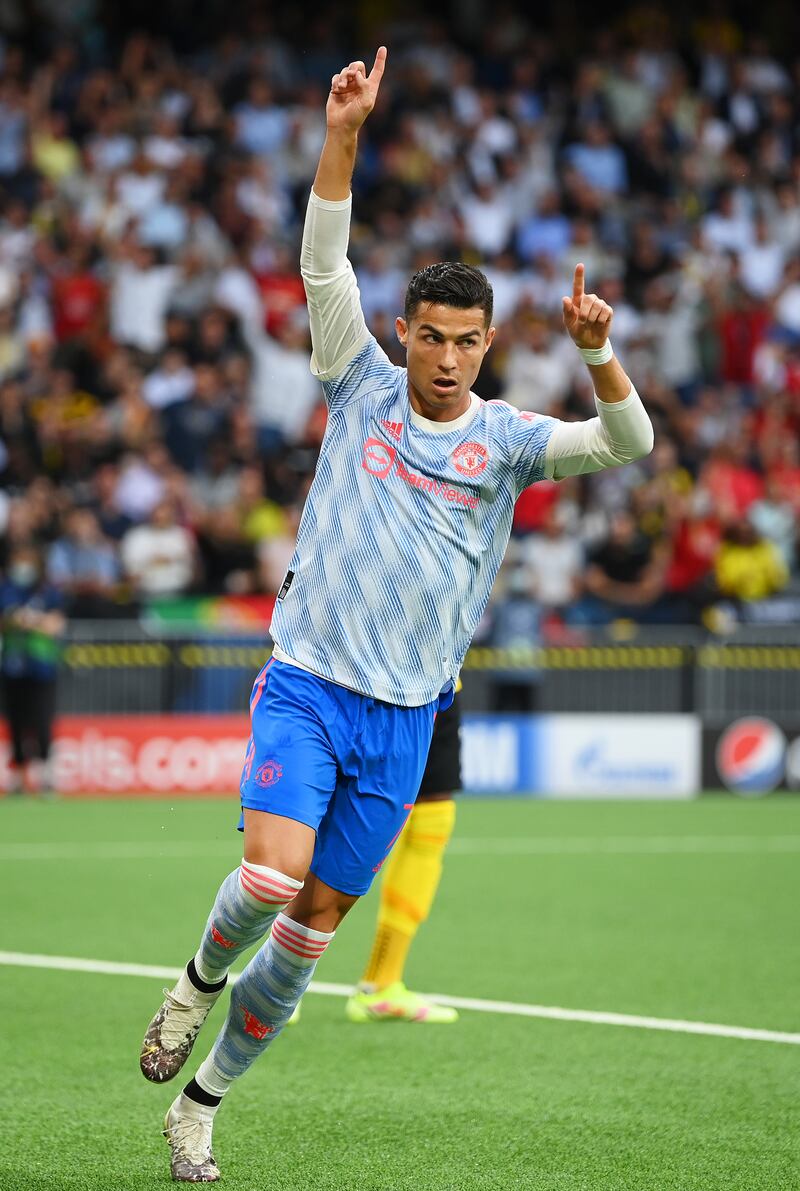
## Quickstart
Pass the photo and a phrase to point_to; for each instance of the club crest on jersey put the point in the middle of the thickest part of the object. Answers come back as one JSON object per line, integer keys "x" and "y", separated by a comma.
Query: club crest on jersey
{"x": 470, "y": 458}
{"x": 377, "y": 458}
{"x": 269, "y": 773}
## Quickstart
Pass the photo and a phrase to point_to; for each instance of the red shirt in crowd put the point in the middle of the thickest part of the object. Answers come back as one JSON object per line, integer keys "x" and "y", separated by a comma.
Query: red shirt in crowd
{"x": 733, "y": 486}
{"x": 694, "y": 547}
{"x": 77, "y": 300}
{"x": 741, "y": 332}
{"x": 530, "y": 511}
{"x": 282, "y": 294}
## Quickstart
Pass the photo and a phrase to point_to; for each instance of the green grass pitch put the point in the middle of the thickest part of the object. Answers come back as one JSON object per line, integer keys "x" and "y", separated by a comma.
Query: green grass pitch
{"x": 539, "y": 904}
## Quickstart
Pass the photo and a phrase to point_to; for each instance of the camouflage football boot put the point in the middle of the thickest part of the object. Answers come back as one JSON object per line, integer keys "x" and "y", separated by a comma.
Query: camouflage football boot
{"x": 172, "y": 1032}
{"x": 188, "y": 1134}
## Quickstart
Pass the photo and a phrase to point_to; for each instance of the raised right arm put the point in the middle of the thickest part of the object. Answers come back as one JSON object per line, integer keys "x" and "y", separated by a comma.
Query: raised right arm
{"x": 338, "y": 329}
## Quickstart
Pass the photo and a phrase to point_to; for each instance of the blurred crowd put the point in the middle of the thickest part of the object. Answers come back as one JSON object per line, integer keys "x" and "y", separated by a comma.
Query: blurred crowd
{"x": 158, "y": 421}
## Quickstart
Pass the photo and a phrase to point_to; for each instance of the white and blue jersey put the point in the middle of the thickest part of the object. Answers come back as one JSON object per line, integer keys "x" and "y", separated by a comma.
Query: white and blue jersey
{"x": 401, "y": 538}
{"x": 403, "y": 533}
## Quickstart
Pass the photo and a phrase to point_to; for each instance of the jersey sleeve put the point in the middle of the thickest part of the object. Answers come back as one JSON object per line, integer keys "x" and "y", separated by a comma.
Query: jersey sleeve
{"x": 367, "y": 371}
{"x": 527, "y": 435}
{"x": 621, "y": 433}
{"x": 338, "y": 329}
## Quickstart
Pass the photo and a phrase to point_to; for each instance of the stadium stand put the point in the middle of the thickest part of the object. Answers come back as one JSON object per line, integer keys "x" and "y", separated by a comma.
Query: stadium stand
{"x": 158, "y": 422}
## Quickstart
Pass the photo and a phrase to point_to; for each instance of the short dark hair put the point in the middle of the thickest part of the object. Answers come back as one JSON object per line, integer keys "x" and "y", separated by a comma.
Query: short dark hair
{"x": 450, "y": 283}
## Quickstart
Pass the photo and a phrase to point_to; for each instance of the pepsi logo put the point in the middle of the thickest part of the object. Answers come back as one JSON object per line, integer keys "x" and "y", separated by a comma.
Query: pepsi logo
{"x": 751, "y": 755}
{"x": 470, "y": 458}
{"x": 377, "y": 458}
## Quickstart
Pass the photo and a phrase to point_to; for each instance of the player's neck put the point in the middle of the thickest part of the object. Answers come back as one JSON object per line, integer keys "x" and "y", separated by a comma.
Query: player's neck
{"x": 434, "y": 413}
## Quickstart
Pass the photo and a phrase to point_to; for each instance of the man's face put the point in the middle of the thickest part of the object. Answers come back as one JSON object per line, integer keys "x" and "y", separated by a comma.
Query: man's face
{"x": 445, "y": 347}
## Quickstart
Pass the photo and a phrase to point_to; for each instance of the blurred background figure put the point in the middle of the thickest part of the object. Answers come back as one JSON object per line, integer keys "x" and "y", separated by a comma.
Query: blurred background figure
{"x": 159, "y": 557}
{"x": 32, "y": 625}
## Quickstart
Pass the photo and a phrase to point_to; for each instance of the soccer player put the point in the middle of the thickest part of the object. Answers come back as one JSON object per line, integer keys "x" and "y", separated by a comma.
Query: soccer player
{"x": 401, "y": 537}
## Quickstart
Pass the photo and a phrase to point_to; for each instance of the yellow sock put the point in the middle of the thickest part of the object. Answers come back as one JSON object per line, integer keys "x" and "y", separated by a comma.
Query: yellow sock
{"x": 410, "y": 880}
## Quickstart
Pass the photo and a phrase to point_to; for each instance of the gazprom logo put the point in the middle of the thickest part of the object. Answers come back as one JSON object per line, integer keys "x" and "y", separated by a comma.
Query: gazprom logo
{"x": 593, "y": 764}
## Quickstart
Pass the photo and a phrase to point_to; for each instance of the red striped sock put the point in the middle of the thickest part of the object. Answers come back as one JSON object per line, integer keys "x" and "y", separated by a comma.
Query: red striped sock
{"x": 243, "y": 912}
{"x": 272, "y": 889}
{"x": 302, "y": 944}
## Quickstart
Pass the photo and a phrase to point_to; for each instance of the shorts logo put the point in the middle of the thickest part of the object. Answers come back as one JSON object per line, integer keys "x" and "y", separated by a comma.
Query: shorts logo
{"x": 254, "y": 1027}
{"x": 269, "y": 773}
{"x": 377, "y": 458}
{"x": 470, "y": 458}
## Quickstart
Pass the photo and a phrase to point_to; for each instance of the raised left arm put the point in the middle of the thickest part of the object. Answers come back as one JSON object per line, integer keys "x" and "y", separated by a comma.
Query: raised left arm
{"x": 622, "y": 431}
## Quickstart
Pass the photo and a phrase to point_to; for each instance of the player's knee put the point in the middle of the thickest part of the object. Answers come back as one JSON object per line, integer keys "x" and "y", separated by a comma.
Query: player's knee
{"x": 279, "y": 843}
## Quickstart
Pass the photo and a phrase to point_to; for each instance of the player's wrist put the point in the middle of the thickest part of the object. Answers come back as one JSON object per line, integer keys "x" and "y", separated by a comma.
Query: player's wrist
{"x": 343, "y": 136}
{"x": 596, "y": 355}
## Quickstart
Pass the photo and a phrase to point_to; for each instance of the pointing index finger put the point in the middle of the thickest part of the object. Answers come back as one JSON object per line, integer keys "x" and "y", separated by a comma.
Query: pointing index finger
{"x": 376, "y": 74}
{"x": 577, "y": 284}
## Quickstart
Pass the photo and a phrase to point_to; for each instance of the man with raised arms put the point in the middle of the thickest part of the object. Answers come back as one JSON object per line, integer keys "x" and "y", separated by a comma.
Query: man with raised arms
{"x": 404, "y": 529}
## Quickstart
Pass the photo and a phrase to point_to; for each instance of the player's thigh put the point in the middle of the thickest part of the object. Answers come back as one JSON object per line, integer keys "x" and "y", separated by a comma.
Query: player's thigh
{"x": 278, "y": 842}
{"x": 370, "y": 807}
{"x": 289, "y": 774}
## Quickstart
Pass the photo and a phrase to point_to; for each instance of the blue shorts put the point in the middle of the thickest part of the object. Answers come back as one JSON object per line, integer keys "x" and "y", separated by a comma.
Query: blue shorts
{"x": 346, "y": 765}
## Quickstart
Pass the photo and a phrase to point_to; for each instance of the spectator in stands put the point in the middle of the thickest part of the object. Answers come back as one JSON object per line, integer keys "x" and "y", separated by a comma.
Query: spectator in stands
{"x": 694, "y": 533}
{"x": 761, "y": 264}
{"x": 78, "y": 295}
{"x": 261, "y": 518}
{"x": 729, "y": 477}
{"x": 280, "y": 368}
{"x": 774, "y": 518}
{"x": 142, "y": 283}
{"x": 747, "y": 566}
{"x": 191, "y": 426}
{"x": 624, "y": 577}
{"x": 31, "y": 612}
{"x": 159, "y": 557}
{"x": 598, "y": 160}
{"x": 553, "y": 560}
{"x": 170, "y": 382}
{"x": 546, "y": 233}
{"x": 83, "y": 565}
{"x": 150, "y": 218}
{"x": 538, "y": 372}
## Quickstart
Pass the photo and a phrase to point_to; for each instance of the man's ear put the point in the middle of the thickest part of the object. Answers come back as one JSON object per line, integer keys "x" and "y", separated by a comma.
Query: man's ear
{"x": 401, "y": 327}
{"x": 490, "y": 334}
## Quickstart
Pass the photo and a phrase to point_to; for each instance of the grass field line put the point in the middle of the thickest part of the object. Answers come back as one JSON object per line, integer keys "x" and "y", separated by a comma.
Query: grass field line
{"x": 66, "y": 963}
{"x": 667, "y": 845}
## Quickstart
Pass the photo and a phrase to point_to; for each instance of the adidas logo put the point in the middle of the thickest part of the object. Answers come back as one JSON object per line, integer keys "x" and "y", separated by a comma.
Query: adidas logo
{"x": 394, "y": 429}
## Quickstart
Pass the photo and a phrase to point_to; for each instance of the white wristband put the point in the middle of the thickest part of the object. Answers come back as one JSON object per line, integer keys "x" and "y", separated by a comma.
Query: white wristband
{"x": 597, "y": 355}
